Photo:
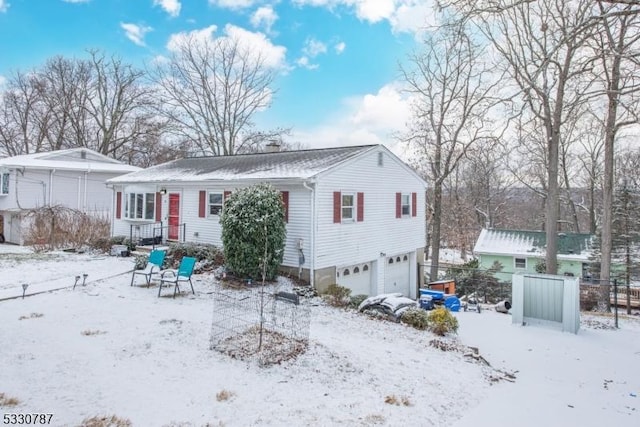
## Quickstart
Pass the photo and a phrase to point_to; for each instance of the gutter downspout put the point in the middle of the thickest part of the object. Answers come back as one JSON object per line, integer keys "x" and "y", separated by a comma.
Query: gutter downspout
{"x": 113, "y": 210}
{"x": 312, "y": 243}
{"x": 51, "y": 173}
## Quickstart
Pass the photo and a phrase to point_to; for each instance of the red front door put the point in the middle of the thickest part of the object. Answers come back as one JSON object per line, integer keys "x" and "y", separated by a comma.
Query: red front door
{"x": 174, "y": 216}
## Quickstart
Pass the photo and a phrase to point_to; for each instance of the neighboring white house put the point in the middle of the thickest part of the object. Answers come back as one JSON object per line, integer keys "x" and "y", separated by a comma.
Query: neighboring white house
{"x": 74, "y": 178}
{"x": 355, "y": 215}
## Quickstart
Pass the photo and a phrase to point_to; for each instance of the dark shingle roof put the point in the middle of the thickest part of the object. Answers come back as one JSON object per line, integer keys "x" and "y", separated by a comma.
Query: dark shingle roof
{"x": 286, "y": 164}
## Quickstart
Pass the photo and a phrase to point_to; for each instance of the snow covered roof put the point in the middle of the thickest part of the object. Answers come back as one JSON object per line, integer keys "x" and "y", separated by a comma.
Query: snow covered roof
{"x": 532, "y": 243}
{"x": 300, "y": 164}
{"x": 81, "y": 159}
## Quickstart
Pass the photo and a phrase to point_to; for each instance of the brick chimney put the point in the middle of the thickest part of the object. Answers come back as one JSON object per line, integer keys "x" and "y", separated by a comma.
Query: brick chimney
{"x": 272, "y": 147}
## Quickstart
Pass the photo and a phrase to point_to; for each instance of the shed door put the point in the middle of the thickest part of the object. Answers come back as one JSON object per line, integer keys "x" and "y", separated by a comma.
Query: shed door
{"x": 174, "y": 216}
{"x": 355, "y": 277}
{"x": 396, "y": 277}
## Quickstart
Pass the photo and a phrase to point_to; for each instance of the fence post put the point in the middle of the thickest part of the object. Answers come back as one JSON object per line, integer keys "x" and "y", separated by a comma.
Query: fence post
{"x": 615, "y": 300}
{"x": 628, "y": 297}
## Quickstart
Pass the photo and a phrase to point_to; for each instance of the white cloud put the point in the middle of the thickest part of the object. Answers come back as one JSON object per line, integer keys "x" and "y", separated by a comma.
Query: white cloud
{"x": 375, "y": 10}
{"x": 340, "y": 47}
{"x": 403, "y": 15}
{"x": 413, "y": 18}
{"x": 233, "y": 4}
{"x": 313, "y": 47}
{"x": 264, "y": 17}
{"x": 135, "y": 33}
{"x": 304, "y": 62}
{"x": 273, "y": 56}
{"x": 386, "y": 110}
{"x": 367, "y": 119}
{"x": 3, "y": 6}
{"x": 178, "y": 39}
{"x": 172, "y": 7}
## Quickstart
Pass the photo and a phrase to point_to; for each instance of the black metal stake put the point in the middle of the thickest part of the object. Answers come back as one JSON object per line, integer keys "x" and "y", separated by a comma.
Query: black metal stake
{"x": 24, "y": 289}
{"x": 77, "y": 278}
{"x": 84, "y": 279}
{"x": 615, "y": 299}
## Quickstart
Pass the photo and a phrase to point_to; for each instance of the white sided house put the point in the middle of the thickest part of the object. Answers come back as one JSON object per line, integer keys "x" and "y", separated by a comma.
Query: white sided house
{"x": 73, "y": 178}
{"x": 355, "y": 215}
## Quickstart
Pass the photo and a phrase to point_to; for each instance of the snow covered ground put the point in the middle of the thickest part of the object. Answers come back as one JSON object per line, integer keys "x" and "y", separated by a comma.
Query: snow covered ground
{"x": 108, "y": 348}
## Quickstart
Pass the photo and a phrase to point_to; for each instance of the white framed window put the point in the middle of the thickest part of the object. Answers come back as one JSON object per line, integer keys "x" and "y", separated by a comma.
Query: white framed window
{"x": 348, "y": 207}
{"x": 406, "y": 204}
{"x": 216, "y": 201}
{"x": 520, "y": 263}
{"x": 4, "y": 183}
{"x": 140, "y": 206}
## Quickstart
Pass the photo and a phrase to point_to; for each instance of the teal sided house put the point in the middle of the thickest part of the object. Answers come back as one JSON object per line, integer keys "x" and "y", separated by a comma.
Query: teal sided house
{"x": 521, "y": 251}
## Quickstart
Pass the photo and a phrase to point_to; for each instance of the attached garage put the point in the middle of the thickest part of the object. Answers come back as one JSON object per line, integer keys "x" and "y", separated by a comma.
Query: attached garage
{"x": 396, "y": 274}
{"x": 355, "y": 277}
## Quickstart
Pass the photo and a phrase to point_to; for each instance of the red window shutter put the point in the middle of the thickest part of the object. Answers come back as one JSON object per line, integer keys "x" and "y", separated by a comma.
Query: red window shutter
{"x": 226, "y": 196}
{"x": 414, "y": 204}
{"x": 360, "y": 216}
{"x": 202, "y": 207}
{"x": 285, "y": 202}
{"x": 118, "y": 205}
{"x": 398, "y": 205}
{"x": 158, "y": 206}
{"x": 337, "y": 206}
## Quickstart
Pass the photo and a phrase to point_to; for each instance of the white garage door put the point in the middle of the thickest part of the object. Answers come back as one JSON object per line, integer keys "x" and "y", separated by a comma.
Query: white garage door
{"x": 355, "y": 277}
{"x": 396, "y": 274}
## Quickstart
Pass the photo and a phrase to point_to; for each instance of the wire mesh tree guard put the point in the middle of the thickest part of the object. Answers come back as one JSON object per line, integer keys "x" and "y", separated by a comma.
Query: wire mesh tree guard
{"x": 269, "y": 324}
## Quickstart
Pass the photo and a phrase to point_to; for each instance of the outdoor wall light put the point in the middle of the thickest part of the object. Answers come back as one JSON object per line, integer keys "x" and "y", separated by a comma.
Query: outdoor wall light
{"x": 163, "y": 191}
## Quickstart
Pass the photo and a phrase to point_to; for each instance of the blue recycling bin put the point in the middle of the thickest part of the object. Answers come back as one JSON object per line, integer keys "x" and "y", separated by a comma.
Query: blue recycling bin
{"x": 426, "y": 302}
{"x": 435, "y": 295}
{"x": 452, "y": 303}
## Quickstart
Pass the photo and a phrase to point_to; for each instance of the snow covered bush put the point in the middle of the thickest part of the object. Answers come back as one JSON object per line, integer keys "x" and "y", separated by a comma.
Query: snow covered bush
{"x": 210, "y": 256}
{"x": 442, "y": 322}
{"x": 253, "y": 231}
{"x": 337, "y": 296}
{"x": 356, "y": 300}
{"x": 416, "y": 317}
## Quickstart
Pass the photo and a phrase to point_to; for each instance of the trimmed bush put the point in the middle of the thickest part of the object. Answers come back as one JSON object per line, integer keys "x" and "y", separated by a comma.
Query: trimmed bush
{"x": 253, "y": 225}
{"x": 416, "y": 317}
{"x": 199, "y": 251}
{"x": 356, "y": 300}
{"x": 441, "y": 321}
{"x": 337, "y": 296}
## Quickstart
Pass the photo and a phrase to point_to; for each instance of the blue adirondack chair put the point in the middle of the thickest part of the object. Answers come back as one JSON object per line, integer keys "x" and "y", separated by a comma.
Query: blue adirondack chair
{"x": 182, "y": 274}
{"x": 154, "y": 266}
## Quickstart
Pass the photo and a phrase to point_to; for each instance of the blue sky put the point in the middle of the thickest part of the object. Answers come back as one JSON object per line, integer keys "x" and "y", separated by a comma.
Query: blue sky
{"x": 337, "y": 60}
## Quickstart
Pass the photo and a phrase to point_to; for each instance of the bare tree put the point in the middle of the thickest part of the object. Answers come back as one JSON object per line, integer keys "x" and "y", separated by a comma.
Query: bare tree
{"x": 62, "y": 81}
{"x": 453, "y": 91}
{"x": 24, "y": 120}
{"x": 617, "y": 49}
{"x": 590, "y": 159}
{"x": 99, "y": 103}
{"x": 118, "y": 104}
{"x": 211, "y": 90}
{"x": 541, "y": 44}
{"x": 487, "y": 184}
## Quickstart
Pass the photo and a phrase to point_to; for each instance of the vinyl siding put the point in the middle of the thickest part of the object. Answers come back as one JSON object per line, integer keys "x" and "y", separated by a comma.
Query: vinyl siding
{"x": 380, "y": 232}
{"x": 74, "y": 189}
{"x": 208, "y": 229}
